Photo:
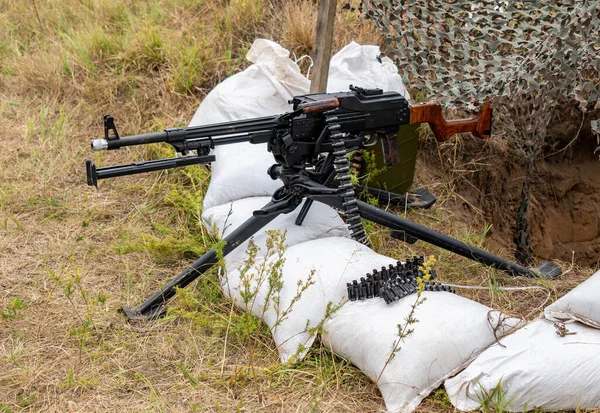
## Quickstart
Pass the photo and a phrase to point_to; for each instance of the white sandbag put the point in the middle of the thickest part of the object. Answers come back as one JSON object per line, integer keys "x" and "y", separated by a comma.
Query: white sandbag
{"x": 263, "y": 89}
{"x": 534, "y": 367}
{"x": 321, "y": 221}
{"x": 365, "y": 67}
{"x": 450, "y": 332}
{"x": 581, "y": 304}
{"x": 329, "y": 263}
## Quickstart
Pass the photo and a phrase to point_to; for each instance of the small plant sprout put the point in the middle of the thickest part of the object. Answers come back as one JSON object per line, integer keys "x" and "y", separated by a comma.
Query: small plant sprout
{"x": 406, "y": 330}
{"x": 494, "y": 400}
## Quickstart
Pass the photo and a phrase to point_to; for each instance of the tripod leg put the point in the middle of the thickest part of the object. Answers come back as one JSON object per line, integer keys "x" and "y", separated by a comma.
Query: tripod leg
{"x": 154, "y": 306}
{"x": 303, "y": 211}
{"x": 419, "y": 198}
{"x": 308, "y": 202}
{"x": 546, "y": 270}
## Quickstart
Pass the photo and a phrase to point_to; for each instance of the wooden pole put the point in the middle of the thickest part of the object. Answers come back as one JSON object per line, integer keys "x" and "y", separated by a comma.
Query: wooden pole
{"x": 323, "y": 44}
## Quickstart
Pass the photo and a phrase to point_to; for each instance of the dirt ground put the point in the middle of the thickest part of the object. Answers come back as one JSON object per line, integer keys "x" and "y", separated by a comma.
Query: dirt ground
{"x": 564, "y": 214}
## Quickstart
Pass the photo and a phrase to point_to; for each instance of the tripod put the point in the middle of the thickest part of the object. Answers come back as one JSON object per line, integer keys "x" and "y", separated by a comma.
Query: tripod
{"x": 310, "y": 146}
{"x": 285, "y": 200}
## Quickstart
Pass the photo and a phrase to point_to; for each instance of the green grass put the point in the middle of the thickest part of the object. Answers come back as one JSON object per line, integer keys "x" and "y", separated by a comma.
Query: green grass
{"x": 83, "y": 253}
{"x": 14, "y": 308}
{"x": 494, "y": 400}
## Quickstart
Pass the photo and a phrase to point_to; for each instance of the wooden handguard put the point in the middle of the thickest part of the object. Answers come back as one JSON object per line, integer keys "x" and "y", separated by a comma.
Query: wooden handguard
{"x": 319, "y": 105}
{"x": 479, "y": 124}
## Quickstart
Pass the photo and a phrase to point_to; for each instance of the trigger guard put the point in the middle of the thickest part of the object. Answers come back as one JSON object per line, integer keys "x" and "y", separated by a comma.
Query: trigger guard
{"x": 372, "y": 141}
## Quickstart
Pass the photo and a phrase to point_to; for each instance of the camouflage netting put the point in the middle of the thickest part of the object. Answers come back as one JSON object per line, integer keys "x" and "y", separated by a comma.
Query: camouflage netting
{"x": 596, "y": 132}
{"x": 530, "y": 57}
{"x": 466, "y": 51}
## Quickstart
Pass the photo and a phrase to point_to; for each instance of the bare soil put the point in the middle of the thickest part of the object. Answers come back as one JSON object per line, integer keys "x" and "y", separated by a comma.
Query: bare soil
{"x": 564, "y": 213}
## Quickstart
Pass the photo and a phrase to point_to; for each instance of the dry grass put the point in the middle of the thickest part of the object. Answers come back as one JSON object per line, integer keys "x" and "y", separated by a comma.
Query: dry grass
{"x": 71, "y": 255}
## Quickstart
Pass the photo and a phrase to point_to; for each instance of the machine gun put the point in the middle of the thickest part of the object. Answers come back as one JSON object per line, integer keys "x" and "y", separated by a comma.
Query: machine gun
{"x": 310, "y": 147}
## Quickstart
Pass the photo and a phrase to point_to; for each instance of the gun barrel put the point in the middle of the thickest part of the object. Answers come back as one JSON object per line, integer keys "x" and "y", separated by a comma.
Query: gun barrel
{"x": 205, "y": 135}
{"x": 108, "y": 144}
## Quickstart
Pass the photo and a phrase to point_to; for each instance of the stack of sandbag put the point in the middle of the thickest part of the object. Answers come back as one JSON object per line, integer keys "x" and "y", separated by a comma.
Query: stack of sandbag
{"x": 240, "y": 185}
{"x": 294, "y": 292}
{"x": 551, "y": 364}
{"x": 450, "y": 331}
{"x": 300, "y": 290}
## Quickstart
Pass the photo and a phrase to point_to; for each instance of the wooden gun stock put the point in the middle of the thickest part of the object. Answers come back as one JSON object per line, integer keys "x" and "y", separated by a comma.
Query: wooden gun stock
{"x": 479, "y": 124}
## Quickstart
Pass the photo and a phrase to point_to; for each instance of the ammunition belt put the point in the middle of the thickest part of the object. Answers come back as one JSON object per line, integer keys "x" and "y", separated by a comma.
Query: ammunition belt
{"x": 342, "y": 168}
{"x": 393, "y": 283}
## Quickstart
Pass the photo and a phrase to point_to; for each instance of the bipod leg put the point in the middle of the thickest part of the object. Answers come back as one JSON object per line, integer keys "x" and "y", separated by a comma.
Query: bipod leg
{"x": 154, "y": 307}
